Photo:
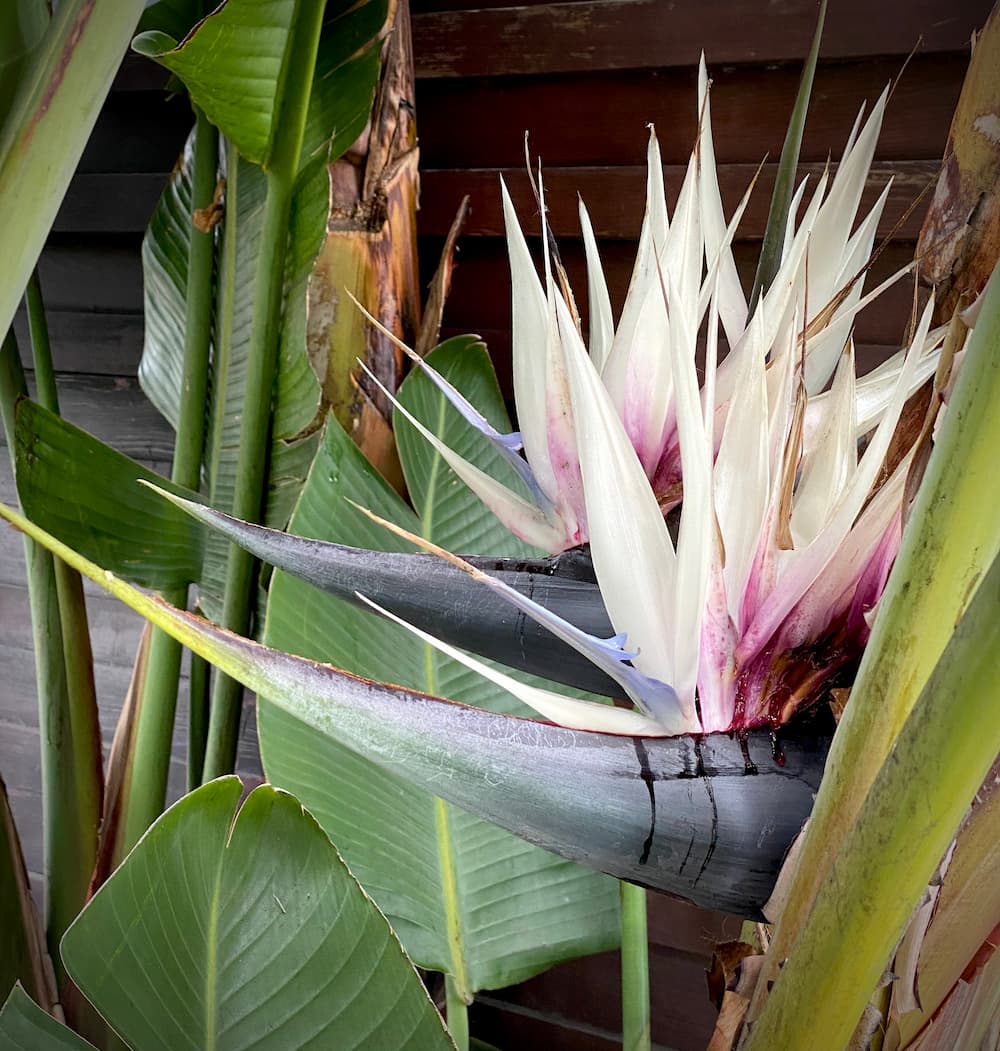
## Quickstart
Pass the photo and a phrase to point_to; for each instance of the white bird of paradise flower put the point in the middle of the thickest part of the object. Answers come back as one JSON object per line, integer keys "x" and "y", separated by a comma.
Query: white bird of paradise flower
{"x": 786, "y": 534}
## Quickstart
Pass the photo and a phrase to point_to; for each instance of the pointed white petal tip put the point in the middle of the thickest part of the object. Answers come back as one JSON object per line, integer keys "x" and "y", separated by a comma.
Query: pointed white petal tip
{"x": 569, "y": 712}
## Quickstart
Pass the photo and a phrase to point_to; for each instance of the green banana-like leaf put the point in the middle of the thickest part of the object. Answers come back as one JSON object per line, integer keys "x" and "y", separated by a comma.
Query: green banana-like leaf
{"x": 707, "y": 818}
{"x": 60, "y": 94}
{"x": 346, "y": 74}
{"x": 232, "y": 61}
{"x": 24, "y": 1026}
{"x": 143, "y": 545}
{"x": 165, "y": 250}
{"x": 230, "y": 65}
{"x": 86, "y": 493}
{"x": 458, "y": 891}
{"x": 22, "y": 25}
{"x": 239, "y": 926}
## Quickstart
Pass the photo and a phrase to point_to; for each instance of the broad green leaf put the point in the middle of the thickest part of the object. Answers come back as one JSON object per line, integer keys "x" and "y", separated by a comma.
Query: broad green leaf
{"x": 233, "y": 62}
{"x": 466, "y": 898}
{"x": 86, "y": 493}
{"x": 234, "y": 927}
{"x": 231, "y": 65}
{"x": 165, "y": 250}
{"x": 22, "y": 952}
{"x": 22, "y": 24}
{"x": 707, "y": 818}
{"x": 175, "y": 18}
{"x": 61, "y": 93}
{"x": 347, "y": 69}
{"x": 24, "y": 1026}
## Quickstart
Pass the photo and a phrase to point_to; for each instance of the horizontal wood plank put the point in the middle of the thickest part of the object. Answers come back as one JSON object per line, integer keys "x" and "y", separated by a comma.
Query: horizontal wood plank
{"x": 101, "y": 274}
{"x": 107, "y": 344}
{"x": 615, "y": 197}
{"x": 480, "y": 296}
{"x": 122, "y": 203}
{"x": 600, "y": 117}
{"x": 114, "y": 409}
{"x": 109, "y": 202}
{"x": 635, "y": 34}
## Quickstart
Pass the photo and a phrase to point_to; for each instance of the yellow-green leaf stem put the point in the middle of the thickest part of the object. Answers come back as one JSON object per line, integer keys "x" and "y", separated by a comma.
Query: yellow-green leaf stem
{"x": 938, "y": 761}
{"x": 951, "y": 539}
{"x": 70, "y": 751}
{"x": 150, "y": 761}
{"x": 636, "y": 1032}
{"x": 291, "y": 108}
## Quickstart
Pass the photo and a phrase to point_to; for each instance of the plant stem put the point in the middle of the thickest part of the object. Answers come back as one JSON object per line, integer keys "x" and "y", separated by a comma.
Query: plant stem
{"x": 945, "y": 749}
{"x": 635, "y": 969}
{"x": 155, "y": 718}
{"x": 251, "y": 468}
{"x": 199, "y": 685}
{"x": 85, "y": 728}
{"x": 46, "y": 393}
{"x": 456, "y": 1014}
{"x": 60, "y": 826}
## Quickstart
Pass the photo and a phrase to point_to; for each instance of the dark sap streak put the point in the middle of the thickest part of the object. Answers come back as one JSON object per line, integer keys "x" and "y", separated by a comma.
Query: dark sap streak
{"x": 707, "y": 782}
{"x": 694, "y": 836}
{"x": 647, "y": 776}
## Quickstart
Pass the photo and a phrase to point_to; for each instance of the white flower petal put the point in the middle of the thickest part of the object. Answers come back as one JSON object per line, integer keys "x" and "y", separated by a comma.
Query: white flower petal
{"x": 826, "y": 467}
{"x": 529, "y": 328}
{"x": 806, "y": 566}
{"x": 634, "y": 559}
{"x": 602, "y": 326}
{"x": 637, "y": 371}
{"x": 523, "y": 519}
{"x": 571, "y": 712}
{"x": 732, "y": 301}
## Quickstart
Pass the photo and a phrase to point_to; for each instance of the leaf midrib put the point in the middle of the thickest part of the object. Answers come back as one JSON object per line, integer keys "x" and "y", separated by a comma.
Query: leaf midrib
{"x": 442, "y": 822}
{"x": 211, "y": 960}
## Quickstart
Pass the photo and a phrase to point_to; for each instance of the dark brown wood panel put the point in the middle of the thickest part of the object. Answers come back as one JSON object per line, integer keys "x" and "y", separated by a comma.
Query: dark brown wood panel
{"x": 599, "y": 118}
{"x": 615, "y": 197}
{"x": 121, "y": 203}
{"x": 480, "y": 300}
{"x": 635, "y": 34}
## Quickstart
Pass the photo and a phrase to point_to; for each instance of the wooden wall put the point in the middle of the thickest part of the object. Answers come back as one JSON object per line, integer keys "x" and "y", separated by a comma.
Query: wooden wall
{"x": 584, "y": 78}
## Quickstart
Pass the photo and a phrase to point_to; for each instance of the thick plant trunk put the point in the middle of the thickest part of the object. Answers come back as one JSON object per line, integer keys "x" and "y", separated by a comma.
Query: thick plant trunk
{"x": 370, "y": 253}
